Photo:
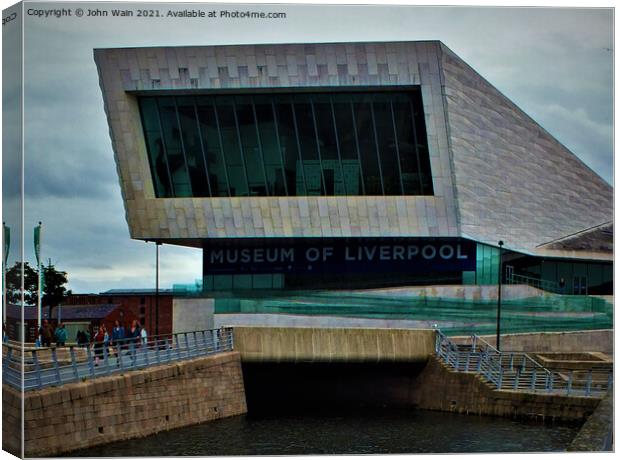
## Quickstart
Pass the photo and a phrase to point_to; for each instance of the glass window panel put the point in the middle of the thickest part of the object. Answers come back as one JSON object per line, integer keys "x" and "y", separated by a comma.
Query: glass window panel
{"x": 218, "y": 177}
{"x": 328, "y": 147}
{"x": 409, "y": 161}
{"x": 192, "y": 145}
{"x": 422, "y": 143}
{"x": 349, "y": 143}
{"x": 271, "y": 149}
{"x": 250, "y": 148}
{"x": 287, "y": 130}
{"x": 368, "y": 148}
{"x": 348, "y": 148}
{"x": 174, "y": 153}
{"x": 150, "y": 118}
{"x": 386, "y": 143}
{"x": 230, "y": 145}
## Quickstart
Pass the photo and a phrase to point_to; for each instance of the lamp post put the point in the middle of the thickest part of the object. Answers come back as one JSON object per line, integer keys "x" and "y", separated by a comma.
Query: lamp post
{"x": 157, "y": 245}
{"x": 499, "y": 293}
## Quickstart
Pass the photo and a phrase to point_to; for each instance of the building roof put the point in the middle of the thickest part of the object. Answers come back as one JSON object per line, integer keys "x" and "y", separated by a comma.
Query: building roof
{"x": 68, "y": 312}
{"x": 140, "y": 291}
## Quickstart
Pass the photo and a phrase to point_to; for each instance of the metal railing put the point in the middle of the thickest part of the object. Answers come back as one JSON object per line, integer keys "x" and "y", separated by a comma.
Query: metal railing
{"x": 545, "y": 285}
{"x": 44, "y": 367}
{"x": 517, "y": 371}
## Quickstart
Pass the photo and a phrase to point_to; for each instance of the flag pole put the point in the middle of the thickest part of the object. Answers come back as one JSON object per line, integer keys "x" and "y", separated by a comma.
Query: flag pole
{"x": 5, "y": 253}
{"x": 38, "y": 254}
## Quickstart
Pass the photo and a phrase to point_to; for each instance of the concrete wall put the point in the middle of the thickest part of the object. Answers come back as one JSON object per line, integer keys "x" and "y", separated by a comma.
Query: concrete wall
{"x": 136, "y": 404}
{"x": 597, "y": 434}
{"x": 571, "y": 342}
{"x": 333, "y": 344}
{"x": 439, "y": 388}
{"x": 192, "y": 314}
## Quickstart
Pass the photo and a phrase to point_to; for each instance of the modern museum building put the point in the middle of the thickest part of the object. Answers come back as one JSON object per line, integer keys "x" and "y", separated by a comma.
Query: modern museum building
{"x": 348, "y": 165}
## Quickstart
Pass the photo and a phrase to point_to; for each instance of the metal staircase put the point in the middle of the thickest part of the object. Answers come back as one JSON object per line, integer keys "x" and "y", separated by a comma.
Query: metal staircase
{"x": 517, "y": 371}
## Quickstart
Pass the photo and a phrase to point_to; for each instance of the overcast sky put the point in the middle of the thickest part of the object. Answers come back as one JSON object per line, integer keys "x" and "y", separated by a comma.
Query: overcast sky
{"x": 556, "y": 64}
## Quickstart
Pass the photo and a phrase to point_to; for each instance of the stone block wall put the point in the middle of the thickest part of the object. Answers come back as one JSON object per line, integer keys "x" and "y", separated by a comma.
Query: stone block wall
{"x": 439, "y": 388}
{"x": 11, "y": 420}
{"x": 136, "y": 404}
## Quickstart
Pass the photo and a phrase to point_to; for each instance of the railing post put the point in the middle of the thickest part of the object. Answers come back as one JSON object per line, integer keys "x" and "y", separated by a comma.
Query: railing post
{"x": 76, "y": 376}
{"x": 37, "y": 370}
{"x": 7, "y": 359}
{"x": 132, "y": 354}
{"x": 197, "y": 350}
{"x": 570, "y": 383}
{"x": 56, "y": 366}
{"x": 501, "y": 375}
{"x": 467, "y": 362}
{"x": 89, "y": 357}
{"x": 204, "y": 342}
{"x": 187, "y": 344}
{"x": 533, "y": 383}
{"x": 145, "y": 350}
{"x": 550, "y": 388}
{"x": 523, "y": 362}
{"x": 106, "y": 361}
{"x": 178, "y": 345}
{"x": 157, "y": 356}
{"x": 480, "y": 358}
{"x": 515, "y": 386}
{"x": 589, "y": 383}
{"x": 473, "y": 343}
{"x": 119, "y": 355}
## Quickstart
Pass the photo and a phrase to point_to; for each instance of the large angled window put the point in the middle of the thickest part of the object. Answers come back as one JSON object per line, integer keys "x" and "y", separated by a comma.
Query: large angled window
{"x": 287, "y": 144}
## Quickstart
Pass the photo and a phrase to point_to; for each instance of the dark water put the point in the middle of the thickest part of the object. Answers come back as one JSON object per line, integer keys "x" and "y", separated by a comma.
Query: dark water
{"x": 372, "y": 431}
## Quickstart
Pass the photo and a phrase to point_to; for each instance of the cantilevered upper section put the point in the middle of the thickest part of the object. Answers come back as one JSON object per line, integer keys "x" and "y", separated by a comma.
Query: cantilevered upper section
{"x": 329, "y": 140}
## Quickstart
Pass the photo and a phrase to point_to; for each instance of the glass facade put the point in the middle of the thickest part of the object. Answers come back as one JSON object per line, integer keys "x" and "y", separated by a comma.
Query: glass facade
{"x": 276, "y": 144}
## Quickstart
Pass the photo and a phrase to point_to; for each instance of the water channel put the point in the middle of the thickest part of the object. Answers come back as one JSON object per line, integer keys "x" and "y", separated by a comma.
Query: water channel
{"x": 359, "y": 431}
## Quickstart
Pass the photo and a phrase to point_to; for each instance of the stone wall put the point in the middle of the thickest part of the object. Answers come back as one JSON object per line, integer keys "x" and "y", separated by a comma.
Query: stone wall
{"x": 439, "y": 388}
{"x": 135, "y": 404}
{"x": 11, "y": 420}
{"x": 597, "y": 434}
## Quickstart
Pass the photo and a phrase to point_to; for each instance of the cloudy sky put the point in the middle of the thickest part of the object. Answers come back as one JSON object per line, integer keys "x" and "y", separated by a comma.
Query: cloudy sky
{"x": 556, "y": 64}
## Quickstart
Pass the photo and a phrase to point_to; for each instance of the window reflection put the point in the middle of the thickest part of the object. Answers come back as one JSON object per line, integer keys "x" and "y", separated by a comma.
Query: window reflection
{"x": 303, "y": 144}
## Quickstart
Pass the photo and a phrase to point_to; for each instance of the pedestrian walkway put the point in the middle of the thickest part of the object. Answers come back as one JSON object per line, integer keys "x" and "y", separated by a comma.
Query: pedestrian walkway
{"x": 45, "y": 367}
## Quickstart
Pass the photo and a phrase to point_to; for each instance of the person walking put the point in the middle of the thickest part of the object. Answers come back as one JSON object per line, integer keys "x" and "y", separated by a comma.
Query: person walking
{"x": 61, "y": 335}
{"x": 98, "y": 344}
{"x": 133, "y": 339}
{"x": 118, "y": 336}
{"x": 47, "y": 334}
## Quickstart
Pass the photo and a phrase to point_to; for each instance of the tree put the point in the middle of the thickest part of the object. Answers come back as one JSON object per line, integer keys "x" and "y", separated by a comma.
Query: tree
{"x": 54, "y": 290}
{"x": 54, "y": 281}
{"x": 14, "y": 281}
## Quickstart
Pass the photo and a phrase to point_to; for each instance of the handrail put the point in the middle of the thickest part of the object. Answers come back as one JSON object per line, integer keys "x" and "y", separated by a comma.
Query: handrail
{"x": 529, "y": 375}
{"x": 44, "y": 368}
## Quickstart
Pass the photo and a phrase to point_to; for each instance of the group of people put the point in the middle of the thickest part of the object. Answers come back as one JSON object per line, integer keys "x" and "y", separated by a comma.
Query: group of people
{"x": 99, "y": 339}
{"x": 48, "y": 334}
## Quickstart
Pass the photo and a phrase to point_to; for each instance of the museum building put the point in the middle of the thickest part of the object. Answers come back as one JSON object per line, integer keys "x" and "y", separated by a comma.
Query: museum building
{"x": 348, "y": 165}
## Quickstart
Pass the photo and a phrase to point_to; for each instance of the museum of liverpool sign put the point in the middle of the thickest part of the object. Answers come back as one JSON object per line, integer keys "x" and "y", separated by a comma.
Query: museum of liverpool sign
{"x": 298, "y": 255}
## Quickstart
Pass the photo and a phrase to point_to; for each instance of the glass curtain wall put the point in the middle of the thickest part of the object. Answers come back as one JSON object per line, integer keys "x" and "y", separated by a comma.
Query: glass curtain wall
{"x": 302, "y": 144}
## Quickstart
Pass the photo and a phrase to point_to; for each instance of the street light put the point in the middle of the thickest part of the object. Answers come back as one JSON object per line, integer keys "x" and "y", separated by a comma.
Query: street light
{"x": 499, "y": 293}
{"x": 157, "y": 245}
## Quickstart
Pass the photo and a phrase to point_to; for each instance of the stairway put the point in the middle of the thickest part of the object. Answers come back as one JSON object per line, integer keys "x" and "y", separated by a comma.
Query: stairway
{"x": 517, "y": 371}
